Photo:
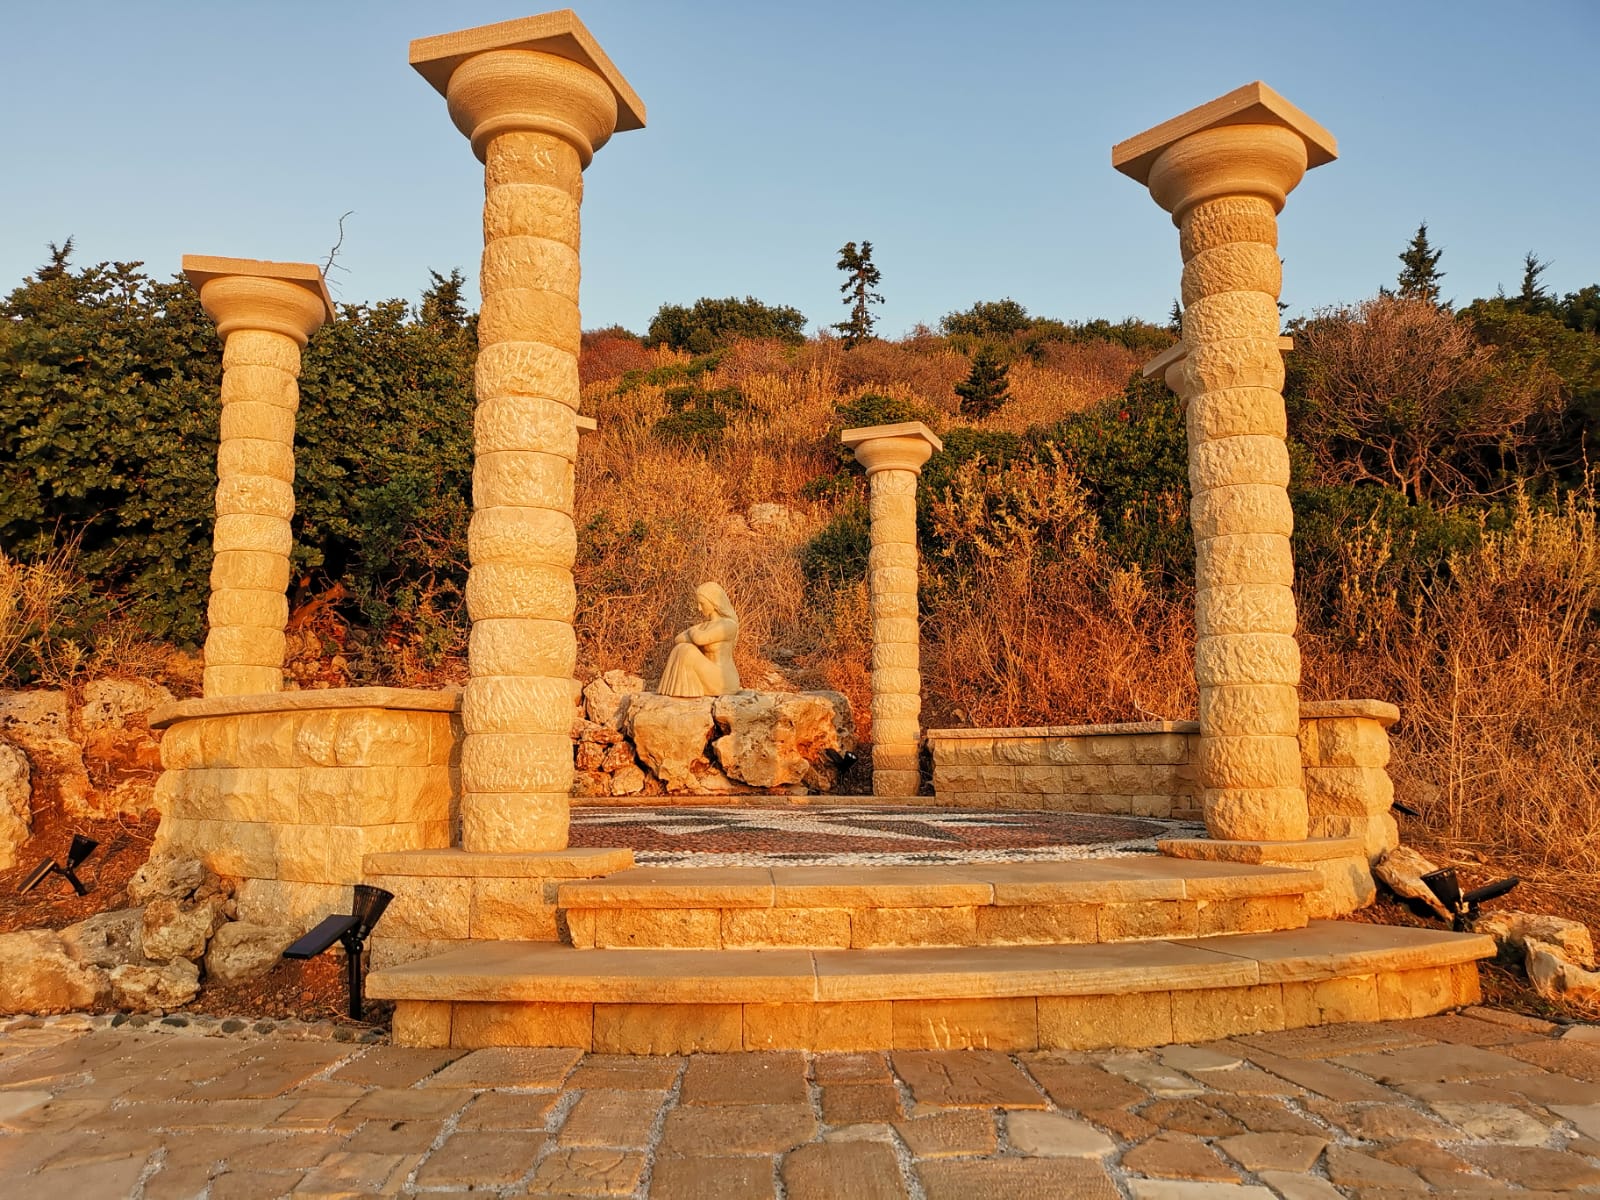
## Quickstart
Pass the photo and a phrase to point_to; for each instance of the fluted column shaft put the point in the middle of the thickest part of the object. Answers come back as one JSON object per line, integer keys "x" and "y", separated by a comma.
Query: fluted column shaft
{"x": 893, "y": 456}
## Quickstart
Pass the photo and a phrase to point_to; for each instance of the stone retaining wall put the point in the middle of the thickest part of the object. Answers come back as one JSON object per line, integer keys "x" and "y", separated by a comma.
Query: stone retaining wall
{"x": 1147, "y": 769}
{"x": 288, "y": 792}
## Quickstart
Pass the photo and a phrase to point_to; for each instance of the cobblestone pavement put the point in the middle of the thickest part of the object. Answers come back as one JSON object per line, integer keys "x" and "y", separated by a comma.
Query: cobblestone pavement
{"x": 1479, "y": 1103}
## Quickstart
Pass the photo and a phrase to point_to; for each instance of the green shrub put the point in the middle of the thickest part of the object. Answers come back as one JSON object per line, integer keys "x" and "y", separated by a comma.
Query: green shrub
{"x": 837, "y": 554}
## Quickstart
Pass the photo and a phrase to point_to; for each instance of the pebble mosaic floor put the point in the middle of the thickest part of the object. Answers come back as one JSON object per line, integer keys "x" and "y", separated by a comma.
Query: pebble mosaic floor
{"x": 864, "y": 835}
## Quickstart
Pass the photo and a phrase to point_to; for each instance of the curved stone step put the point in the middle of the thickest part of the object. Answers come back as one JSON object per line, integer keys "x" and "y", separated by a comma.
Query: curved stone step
{"x": 969, "y": 904}
{"x": 1013, "y": 997}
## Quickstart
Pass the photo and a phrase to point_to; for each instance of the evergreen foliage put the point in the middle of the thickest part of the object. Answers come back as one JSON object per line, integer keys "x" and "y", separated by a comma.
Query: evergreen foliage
{"x": 985, "y": 388}
{"x": 707, "y": 324}
{"x": 1419, "y": 268}
{"x": 860, "y": 290}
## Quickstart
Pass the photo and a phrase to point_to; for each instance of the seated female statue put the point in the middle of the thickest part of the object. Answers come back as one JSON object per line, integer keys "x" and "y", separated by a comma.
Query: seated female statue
{"x": 701, "y": 662}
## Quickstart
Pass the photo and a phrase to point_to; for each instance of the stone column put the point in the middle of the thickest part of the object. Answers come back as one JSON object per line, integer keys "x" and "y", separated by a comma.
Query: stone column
{"x": 265, "y": 312}
{"x": 893, "y": 456}
{"x": 1223, "y": 171}
{"x": 537, "y": 97}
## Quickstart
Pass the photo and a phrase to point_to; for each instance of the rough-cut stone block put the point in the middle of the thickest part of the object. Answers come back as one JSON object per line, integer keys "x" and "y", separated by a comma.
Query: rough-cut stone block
{"x": 255, "y": 495}
{"x": 506, "y": 762}
{"x": 676, "y": 927}
{"x": 252, "y": 419}
{"x": 1001, "y": 1023}
{"x": 1250, "y": 914}
{"x": 1330, "y": 1001}
{"x": 425, "y": 908}
{"x": 1256, "y": 814}
{"x": 1206, "y": 1014}
{"x": 522, "y": 648}
{"x": 1227, "y": 220}
{"x": 1234, "y": 266}
{"x": 474, "y": 1026}
{"x": 1250, "y": 710}
{"x": 508, "y": 261}
{"x": 1245, "y": 363}
{"x": 1245, "y": 608}
{"x": 1147, "y": 919}
{"x": 1423, "y": 992}
{"x": 771, "y": 928}
{"x": 1349, "y": 742}
{"x": 668, "y": 1028}
{"x": 1035, "y": 924}
{"x": 822, "y": 1028}
{"x": 1247, "y": 658}
{"x": 525, "y": 591}
{"x": 506, "y": 822}
{"x": 261, "y": 570}
{"x": 1098, "y": 1022}
{"x": 1348, "y": 791}
{"x": 882, "y": 928}
{"x": 523, "y": 535}
{"x": 1236, "y": 412}
{"x": 512, "y": 909}
{"x": 526, "y": 369}
{"x": 1248, "y": 762}
{"x": 421, "y": 1023}
{"x": 260, "y": 348}
{"x": 530, "y": 315}
{"x": 240, "y": 606}
{"x": 244, "y": 646}
{"x": 1237, "y": 558}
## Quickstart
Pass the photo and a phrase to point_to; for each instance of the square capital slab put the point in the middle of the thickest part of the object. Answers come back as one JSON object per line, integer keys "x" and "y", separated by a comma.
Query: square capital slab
{"x": 1253, "y": 104}
{"x": 904, "y": 429}
{"x": 201, "y": 269}
{"x": 559, "y": 33}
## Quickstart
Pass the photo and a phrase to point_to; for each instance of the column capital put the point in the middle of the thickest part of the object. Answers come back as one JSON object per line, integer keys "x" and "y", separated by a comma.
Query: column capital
{"x": 250, "y": 293}
{"x": 1250, "y": 142}
{"x": 901, "y": 447}
{"x": 543, "y": 74}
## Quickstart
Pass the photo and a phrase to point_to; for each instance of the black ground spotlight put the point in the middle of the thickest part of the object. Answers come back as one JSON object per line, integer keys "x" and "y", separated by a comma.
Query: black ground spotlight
{"x": 1464, "y": 905}
{"x": 351, "y": 932}
{"x": 841, "y": 760}
{"x": 80, "y": 850}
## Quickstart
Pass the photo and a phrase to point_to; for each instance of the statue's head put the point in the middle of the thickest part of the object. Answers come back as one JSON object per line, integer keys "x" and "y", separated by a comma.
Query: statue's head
{"x": 714, "y": 601}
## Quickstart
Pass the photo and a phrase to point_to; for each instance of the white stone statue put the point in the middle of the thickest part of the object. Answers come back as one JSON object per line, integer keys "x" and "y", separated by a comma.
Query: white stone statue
{"x": 701, "y": 662}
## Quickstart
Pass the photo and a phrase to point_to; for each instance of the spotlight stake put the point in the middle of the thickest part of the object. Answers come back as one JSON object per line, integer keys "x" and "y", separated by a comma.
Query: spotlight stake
{"x": 351, "y": 932}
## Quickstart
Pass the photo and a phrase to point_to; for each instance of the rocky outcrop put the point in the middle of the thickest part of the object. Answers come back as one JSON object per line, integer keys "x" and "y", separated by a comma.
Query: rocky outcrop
{"x": 1555, "y": 977}
{"x": 606, "y": 696}
{"x": 40, "y": 723}
{"x": 1513, "y": 929}
{"x": 38, "y": 975}
{"x": 155, "y": 988}
{"x": 672, "y": 737}
{"x": 773, "y": 739}
{"x": 241, "y": 951}
{"x": 1401, "y": 871}
{"x": 16, "y": 803}
{"x": 174, "y": 930}
{"x": 108, "y": 939}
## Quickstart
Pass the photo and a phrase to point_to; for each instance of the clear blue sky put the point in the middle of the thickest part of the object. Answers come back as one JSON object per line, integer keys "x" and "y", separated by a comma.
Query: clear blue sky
{"x": 970, "y": 143}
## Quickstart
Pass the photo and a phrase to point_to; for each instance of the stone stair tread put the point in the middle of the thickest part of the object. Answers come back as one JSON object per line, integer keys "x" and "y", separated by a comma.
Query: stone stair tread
{"x": 1085, "y": 881}
{"x": 551, "y": 972}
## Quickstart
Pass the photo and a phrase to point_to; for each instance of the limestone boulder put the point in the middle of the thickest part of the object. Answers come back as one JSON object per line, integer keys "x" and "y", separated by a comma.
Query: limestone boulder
{"x": 175, "y": 877}
{"x": 590, "y": 783}
{"x": 108, "y": 939}
{"x": 241, "y": 951}
{"x": 154, "y": 988}
{"x": 173, "y": 930}
{"x": 16, "y": 803}
{"x": 1401, "y": 871}
{"x": 771, "y": 519}
{"x": 671, "y": 737}
{"x": 120, "y": 703}
{"x": 37, "y": 975}
{"x": 772, "y": 739}
{"x": 627, "y": 781}
{"x": 604, "y": 696}
{"x": 1512, "y": 930}
{"x": 38, "y": 722}
{"x": 1556, "y": 978}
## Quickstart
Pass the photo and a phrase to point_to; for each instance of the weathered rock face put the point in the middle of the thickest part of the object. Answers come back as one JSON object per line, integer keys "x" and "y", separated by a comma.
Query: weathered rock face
{"x": 1512, "y": 930}
{"x": 152, "y": 988}
{"x": 37, "y": 975}
{"x": 671, "y": 736}
{"x": 108, "y": 939}
{"x": 16, "y": 803}
{"x": 37, "y": 721}
{"x": 1401, "y": 871}
{"x": 173, "y": 931}
{"x": 172, "y": 877}
{"x": 605, "y": 696}
{"x": 240, "y": 951}
{"x": 1556, "y": 978}
{"x": 120, "y": 703}
{"x": 775, "y": 738}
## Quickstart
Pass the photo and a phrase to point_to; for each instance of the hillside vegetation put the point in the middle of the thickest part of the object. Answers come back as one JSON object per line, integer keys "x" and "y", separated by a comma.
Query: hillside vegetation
{"x": 1447, "y": 548}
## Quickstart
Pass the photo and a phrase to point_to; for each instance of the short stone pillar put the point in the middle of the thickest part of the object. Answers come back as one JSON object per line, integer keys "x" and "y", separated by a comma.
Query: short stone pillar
{"x": 537, "y": 97}
{"x": 1223, "y": 171}
{"x": 265, "y": 312}
{"x": 893, "y": 456}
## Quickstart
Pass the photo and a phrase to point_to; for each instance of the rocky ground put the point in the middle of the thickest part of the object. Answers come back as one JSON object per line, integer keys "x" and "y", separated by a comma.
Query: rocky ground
{"x": 1482, "y": 1103}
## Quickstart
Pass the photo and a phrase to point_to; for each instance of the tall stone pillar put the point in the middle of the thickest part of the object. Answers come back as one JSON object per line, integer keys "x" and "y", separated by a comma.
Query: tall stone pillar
{"x": 893, "y": 456}
{"x": 1223, "y": 171}
{"x": 537, "y": 97}
{"x": 265, "y": 312}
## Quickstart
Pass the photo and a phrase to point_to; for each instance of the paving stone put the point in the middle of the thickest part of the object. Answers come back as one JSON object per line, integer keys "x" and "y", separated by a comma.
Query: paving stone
{"x": 1471, "y": 1031}
{"x": 110, "y": 1147}
{"x": 588, "y": 1172}
{"x": 866, "y": 1131}
{"x": 1177, "y": 1189}
{"x": 1300, "y": 1187}
{"x": 409, "y": 1104}
{"x": 394, "y": 1137}
{"x": 1494, "y": 1123}
{"x": 965, "y": 1079}
{"x": 1154, "y": 1078}
{"x": 1329, "y": 1041}
{"x": 1266, "y": 1114}
{"x": 1249, "y": 1081}
{"x": 508, "y": 1110}
{"x": 1016, "y": 1179}
{"x": 1125, "y": 1125}
{"x": 949, "y": 1134}
{"x": 1435, "y": 1064}
{"x": 721, "y": 1130}
{"x": 1082, "y": 1085}
{"x": 1433, "y": 1162}
{"x": 343, "y": 1173}
{"x": 843, "y": 1171}
{"x": 761, "y": 1077}
{"x": 1191, "y": 1116}
{"x": 177, "y": 1181}
{"x": 1585, "y": 1118}
{"x": 625, "y": 1071}
{"x": 117, "y": 1177}
{"x": 1051, "y": 1135}
{"x": 1561, "y": 1056}
{"x": 507, "y": 1067}
{"x": 1381, "y": 1122}
{"x": 317, "y": 1112}
{"x": 1533, "y": 1167}
{"x": 1544, "y": 1088}
{"x": 253, "y": 1185}
{"x": 1273, "y": 1151}
{"x": 853, "y": 1103}
{"x": 1178, "y": 1156}
{"x": 1200, "y": 1059}
{"x": 851, "y": 1068}
{"x": 272, "y": 1069}
{"x": 1320, "y": 1077}
{"x": 621, "y": 1119}
{"x": 1581, "y": 1033}
{"x": 1352, "y": 1168}
{"x": 395, "y": 1066}
{"x": 479, "y": 1158}
{"x": 294, "y": 1152}
{"x": 14, "y": 1104}
{"x": 712, "y": 1179}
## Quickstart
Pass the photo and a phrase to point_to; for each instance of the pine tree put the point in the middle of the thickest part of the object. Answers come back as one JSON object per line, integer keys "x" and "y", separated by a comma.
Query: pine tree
{"x": 861, "y": 280}
{"x": 442, "y": 304}
{"x": 1419, "y": 268}
{"x": 1533, "y": 297}
{"x": 985, "y": 389}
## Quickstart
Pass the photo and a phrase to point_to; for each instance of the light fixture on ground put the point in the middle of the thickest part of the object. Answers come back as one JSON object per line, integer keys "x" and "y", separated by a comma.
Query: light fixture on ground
{"x": 80, "y": 849}
{"x": 350, "y": 931}
{"x": 1464, "y": 905}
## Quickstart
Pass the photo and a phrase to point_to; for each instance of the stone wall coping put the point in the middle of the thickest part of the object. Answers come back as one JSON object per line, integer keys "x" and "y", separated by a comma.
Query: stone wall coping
{"x": 572, "y": 863}
{"x": 1376, "y": 710}
{"x": 1262, "y": 853}
{"x": 1130, "y": 728}
{"x": 404, "y": 699}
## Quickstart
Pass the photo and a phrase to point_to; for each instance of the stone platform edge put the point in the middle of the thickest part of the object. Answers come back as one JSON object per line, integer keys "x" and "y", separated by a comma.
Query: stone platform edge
{"x": 402, "y": 699}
